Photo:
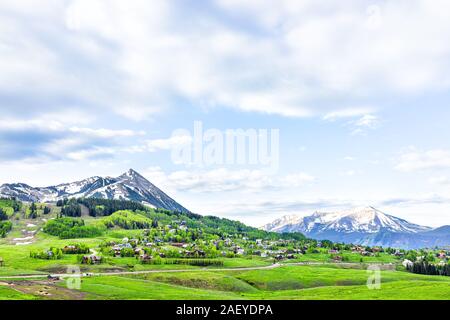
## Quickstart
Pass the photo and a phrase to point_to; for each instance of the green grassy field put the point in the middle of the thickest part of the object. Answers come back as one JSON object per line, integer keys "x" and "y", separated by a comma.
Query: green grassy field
{"x": 289, "y": 279}
{"x": 296, "y": 282}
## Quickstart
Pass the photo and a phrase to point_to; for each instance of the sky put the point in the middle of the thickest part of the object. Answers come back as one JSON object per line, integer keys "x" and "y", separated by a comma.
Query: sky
{"x": 356, "y": 91}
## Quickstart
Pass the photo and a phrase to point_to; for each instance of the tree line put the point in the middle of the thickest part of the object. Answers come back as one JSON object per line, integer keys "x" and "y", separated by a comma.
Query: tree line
{"x": 431, "y": 269}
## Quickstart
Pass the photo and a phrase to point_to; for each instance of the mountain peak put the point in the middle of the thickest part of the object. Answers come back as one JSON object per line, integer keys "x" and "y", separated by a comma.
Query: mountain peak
{"x": 129, "y": 186}
{"x": 131, "y": 172}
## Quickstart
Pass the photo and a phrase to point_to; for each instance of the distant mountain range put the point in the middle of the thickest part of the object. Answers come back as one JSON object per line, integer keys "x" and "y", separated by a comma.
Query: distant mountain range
{"x": 129, "y": 186}
{"x": 364, "y": 226}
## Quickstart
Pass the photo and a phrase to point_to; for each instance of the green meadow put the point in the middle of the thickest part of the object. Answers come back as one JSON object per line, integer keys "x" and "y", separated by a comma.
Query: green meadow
{"x": 296, "y": 282}
{"x": 313, "y": 275}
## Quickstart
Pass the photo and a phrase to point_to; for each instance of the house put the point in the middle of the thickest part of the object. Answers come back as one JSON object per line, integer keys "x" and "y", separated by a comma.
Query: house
{"x": 407, "y": 263}
{"x": 176, "y": 244}
{"x": 333, "y": 251}
{"x": 92, "y": 259}
{"x": 117, "y": 250}
{"x": 399, "y": 253}
{"x": 278, "y": 257}
{"x": 199, "y": 253}
{"x": 145, "y": 258}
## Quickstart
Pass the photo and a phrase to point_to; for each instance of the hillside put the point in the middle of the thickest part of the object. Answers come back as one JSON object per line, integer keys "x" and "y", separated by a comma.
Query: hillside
{"x": 205, "y": 257}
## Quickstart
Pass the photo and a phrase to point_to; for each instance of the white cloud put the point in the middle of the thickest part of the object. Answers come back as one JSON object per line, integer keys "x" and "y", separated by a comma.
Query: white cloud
{"x": 297, "y": 179}
{"x": 105, "y": 133}
{"x": 91, "y": 153}
{"x": 139, "y": 59}
{"x": 58, "y": 136}
{"x": 366, "y": 122}
{"x": 414, "y": 159}
{"x": 349, "y": 173}
{"x": 220, "y": 180}
{"x": 169, "y": 143}
{"x": 347, "y": 113}
{"x": 442, "y": 180}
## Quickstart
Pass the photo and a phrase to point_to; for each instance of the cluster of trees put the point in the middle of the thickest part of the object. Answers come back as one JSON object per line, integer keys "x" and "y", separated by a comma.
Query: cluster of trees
{"x": 76, "y": 248}
{"x": 425, "y": 256}
{"x": 71, "y": 210}
{"x": 51, "y": 254}
{"x": 105, "y": 207}
{"x": 33, "y": 211}
{"x": 5, "y": 227}
{"x": 71, "y": 228}
{"x": 3, "y": 215}
{"x": 190, "y": 262}
{"x": 424, "y": 267}
{"x": 11, "y": 202}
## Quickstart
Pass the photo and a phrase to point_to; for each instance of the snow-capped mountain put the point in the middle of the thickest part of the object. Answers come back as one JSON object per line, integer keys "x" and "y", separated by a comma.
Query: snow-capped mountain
{"x": 365, "y": 226}
{"x": 129, "y": 186}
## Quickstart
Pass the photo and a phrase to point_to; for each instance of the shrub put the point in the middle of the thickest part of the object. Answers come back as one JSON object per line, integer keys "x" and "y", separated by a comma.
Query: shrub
{"x": 190, "y": 262}
{"x": 5, "y": 227}
{"x": 76, "y": 248}
{"x": 127, "y": 252}
{"x": 51, "y": 254}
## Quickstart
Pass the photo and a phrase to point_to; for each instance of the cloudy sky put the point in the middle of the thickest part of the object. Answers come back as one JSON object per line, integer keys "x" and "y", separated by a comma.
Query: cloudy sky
{"x": 359, "y": 91}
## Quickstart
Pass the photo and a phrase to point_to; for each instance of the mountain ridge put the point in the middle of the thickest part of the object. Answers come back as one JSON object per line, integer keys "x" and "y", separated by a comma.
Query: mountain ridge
{"x": 364, "y": 226}
{"x": 129, "y": 186}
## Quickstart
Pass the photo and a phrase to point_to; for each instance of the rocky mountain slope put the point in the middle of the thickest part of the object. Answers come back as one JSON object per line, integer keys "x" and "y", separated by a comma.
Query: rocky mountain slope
{"x": 365, "y": 226}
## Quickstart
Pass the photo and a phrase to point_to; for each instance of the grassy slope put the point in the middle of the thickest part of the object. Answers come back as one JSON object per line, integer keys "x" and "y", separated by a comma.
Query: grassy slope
{"x": 325, "y": 283}
{"x": 107, "y": 288}
{"x": 7, "y": 293}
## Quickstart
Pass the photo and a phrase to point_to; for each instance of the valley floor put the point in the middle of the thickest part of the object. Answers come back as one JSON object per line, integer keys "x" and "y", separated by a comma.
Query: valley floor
{"x": 326, "y": 282}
